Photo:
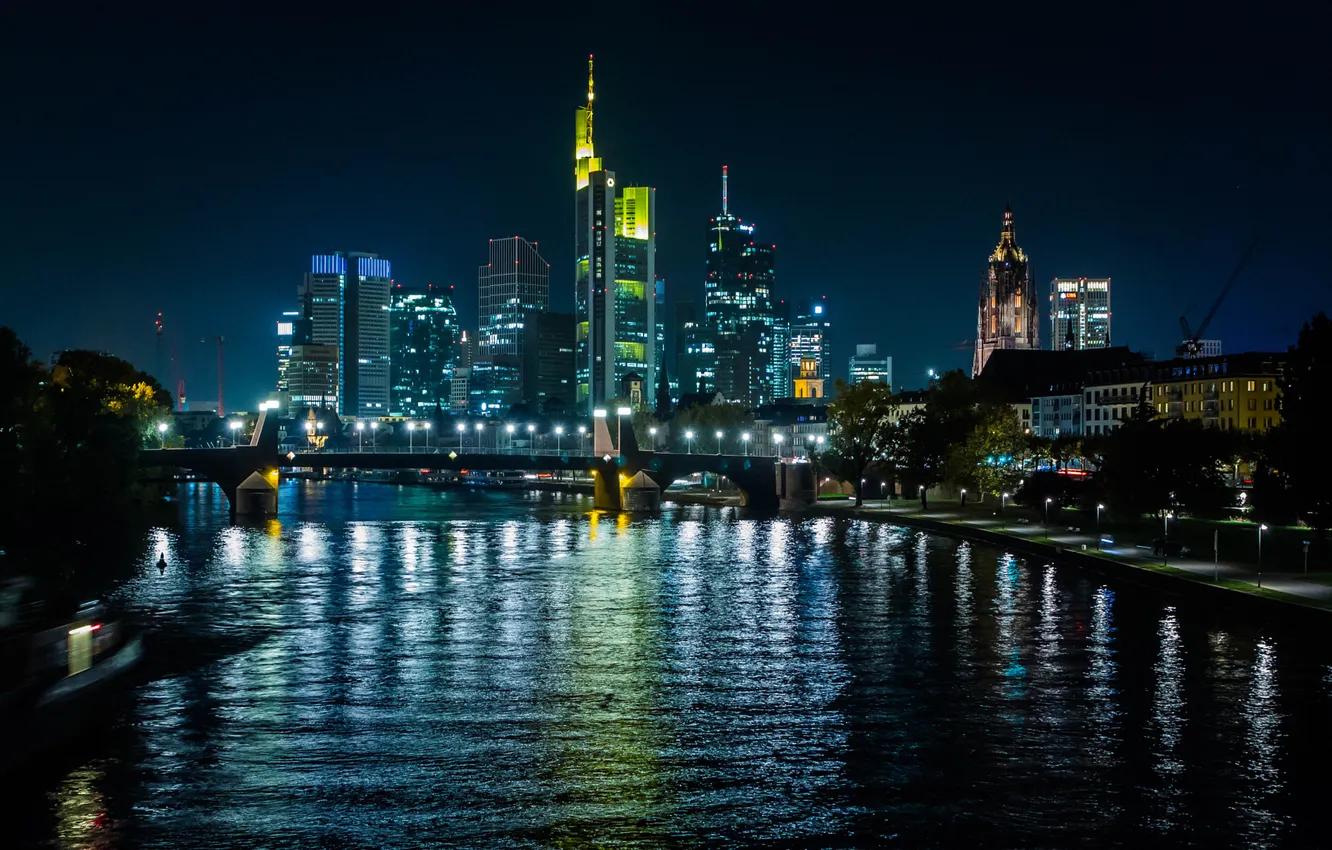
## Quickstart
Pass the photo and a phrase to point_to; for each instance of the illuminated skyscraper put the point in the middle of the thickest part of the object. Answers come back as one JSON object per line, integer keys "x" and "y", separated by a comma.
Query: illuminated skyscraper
{"x": 739, "y": 309}
{"x": 615, "y": 271}
{"x": 810, "y": 334}
{"x": 867, "y": 365}
{"x": 286, "y": 331}
{"x": 1009, "y": 314}
{"x": 1079, "y": 313}
{"x": 423, "y": 336}
{"x": 514, "y": 283}
{"x": 347, "y": 297}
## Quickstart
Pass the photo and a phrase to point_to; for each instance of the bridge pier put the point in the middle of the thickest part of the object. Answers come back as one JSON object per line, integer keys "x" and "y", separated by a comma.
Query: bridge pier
{"x": 607, "y": 492}
{"x": 257, "y": 495}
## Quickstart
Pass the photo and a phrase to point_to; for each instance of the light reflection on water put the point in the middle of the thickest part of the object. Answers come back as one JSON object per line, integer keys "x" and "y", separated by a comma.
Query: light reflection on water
{"x": 522, "y": 671}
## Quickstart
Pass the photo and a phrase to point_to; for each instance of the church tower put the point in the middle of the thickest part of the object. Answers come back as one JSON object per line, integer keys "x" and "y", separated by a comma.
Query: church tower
{"x": 1008, "y": 315}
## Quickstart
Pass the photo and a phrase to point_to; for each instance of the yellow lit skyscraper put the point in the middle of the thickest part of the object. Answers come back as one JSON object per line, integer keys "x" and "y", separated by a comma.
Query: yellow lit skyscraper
{"x": 615, "y": 271}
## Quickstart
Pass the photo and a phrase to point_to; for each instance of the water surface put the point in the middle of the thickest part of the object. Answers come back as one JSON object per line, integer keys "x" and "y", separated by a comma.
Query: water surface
{"x": 397, "y": 667}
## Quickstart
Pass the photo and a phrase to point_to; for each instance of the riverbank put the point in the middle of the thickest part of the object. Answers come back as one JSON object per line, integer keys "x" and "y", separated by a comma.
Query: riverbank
{"x": 1274, "y": 596}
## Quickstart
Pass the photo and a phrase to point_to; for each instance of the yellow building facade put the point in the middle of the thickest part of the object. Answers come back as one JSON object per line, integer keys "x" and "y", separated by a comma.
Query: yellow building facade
{"x": 1235, "y": 392}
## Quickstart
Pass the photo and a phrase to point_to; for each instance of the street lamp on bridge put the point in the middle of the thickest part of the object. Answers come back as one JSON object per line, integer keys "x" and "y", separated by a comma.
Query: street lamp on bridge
{"x": 582, "y": 432}
{"x": 374, "y": 427}
{"x": 360, "y": 436}
{"x": 689, "y": 442}
{"x": 776, "y": 445}
{"x": 161, "y": 430}
{"x": 559, "y": 432}
{"x": 461, "y": 429}
{"x": 426, "y": 426}
{"x": 620, "y": 413}
{"x": 480, "y": 427}
{"x": 234, "y": 426}
{"x": 744, "y": 438}
{"x": 652, "y": 432}
{"x": 719, "y": 439}
{"x": 411, "y": 432}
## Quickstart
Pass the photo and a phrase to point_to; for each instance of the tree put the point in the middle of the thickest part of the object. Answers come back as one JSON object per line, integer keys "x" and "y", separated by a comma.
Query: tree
{"x": 663, "y": 410}
{"x": 990, "y": 458}
{"x": 1293, "y": 472}
{"x": 705, "y": 420}
{"x": 920, "y": 444}
{"x": 859, "y": 430}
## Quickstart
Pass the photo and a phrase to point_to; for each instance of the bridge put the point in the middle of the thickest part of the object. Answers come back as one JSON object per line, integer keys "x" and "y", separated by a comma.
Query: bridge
{"x": 249, "y": 474}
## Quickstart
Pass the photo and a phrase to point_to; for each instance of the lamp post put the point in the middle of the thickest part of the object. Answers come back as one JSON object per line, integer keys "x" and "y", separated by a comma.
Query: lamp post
{"x": 374, "y": 428}
{"x": 1003, "y": 503}
{"x": 319, "y": 426}
{"x": 744, "y": 438}
{"x": 582, "y": 432}
{"x": 508, "y": 429}
{"x": 531, "y": 429}
{"x": 777, "y": 445}
{"x": 620, "y": 413}
{"x": 1046, "y": 524}
{"x": 559, "y": 432}
{"x": 689, "y": 441}
{"x": 1165, "y": 537}
{"x": 461, "y": 429}
{"x": 411, "y": 432}
{"x": 480, "y": 428}
{"x": 233, "y": 425}
{"x": 1099, "y": 508}
{"x": 161, "y": 431}
{"x": 360, "y": 436}
{"x": 426, "y": 426}
{"x": 1261, "y": 529}
{"x": 719, "y": 439}
{"x": 652, "y": 432}
{"x": 964, "y": 497}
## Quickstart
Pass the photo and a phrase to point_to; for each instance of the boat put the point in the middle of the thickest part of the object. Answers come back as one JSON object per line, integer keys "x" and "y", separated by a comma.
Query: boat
{"x": 56, "y": 667}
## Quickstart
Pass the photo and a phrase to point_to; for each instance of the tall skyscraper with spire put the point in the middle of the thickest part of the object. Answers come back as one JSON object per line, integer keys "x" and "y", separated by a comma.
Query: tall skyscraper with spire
{"x": 738, "y": 304}
{"x": 615, "y": 254}
{"x": 1009, "y": 312}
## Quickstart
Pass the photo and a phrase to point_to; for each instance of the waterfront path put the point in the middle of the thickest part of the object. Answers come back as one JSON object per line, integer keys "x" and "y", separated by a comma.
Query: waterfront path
{"x": 1233, "y": 574}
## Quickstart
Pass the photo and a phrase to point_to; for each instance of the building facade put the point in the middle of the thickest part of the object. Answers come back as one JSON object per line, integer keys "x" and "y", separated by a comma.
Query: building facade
{"x": 548, "y": 361}
{"x": 514, "y": 283}
{"x": 1230, "y": 392}
{"x": 738, "y": 309}
{"x": 809, "y": 384}
{"x": 347, "y": 299}
{"x": 1008, "y": 316}
{"x": 286, "y": 334}
{"x": 1058, "y": 413}
{"x": 1111, "y": 397}
{"x": 867, "y": 365}
{"x": 614, "y": 270}
{"x": 810, "y": 338}
{"x": 1079, "y": 313}
{"x": 423, "y": 337}
{"x": 312, "y": 378}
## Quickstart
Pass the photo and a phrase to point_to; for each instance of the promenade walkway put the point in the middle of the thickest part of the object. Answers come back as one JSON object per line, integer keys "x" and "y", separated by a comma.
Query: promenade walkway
{"x": 1136, "y": 552}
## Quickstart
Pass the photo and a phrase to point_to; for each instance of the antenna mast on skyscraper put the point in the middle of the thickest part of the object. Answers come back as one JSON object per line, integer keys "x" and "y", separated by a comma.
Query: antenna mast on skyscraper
{"x": 723, "y": 190}
{"x": 590, "y": 95}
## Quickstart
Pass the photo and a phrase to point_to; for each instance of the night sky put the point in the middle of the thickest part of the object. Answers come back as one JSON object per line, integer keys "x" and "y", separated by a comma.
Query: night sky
{"x": 198, "y": 181}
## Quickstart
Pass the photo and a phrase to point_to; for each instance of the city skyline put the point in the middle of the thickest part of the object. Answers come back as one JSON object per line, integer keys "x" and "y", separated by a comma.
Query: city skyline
{"x": 1168, "y": 249}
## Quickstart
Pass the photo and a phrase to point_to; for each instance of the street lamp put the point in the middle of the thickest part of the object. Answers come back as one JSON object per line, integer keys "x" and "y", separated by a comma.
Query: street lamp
{"x": 653, "y": 433}
{"x": 374, "y": 427}
{"x": 1261, "y": 529}
{"x": 1165, "y": 537}
{"x": 411, "y": 432}
{"x": 777, "y": 445}
{"x": 360, "y": 436}
{"x": 1003, "y": 503}
{"x": 1048, "y": 500}
{"x": 559, "y": 432}
{"x": 480, "y": 427}
{"x": 744, "y": 438}
{"x": 161, "y": 430}
{"x": 426, "y": 426}
{"x": 964, "y": 496}
{"x": 1099, "y": 508}
{"x": 582, "y": 432}
{"x": 461, "y": 429}
{"x": 508, "y": 429}
{"x": 719, "y": 439}
{"x": 689, "y": 441}
{"x": 233, "y": 425}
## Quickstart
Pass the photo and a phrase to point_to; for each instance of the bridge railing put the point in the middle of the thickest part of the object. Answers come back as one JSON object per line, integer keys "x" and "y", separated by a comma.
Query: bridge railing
{"x": 443, "y": 452}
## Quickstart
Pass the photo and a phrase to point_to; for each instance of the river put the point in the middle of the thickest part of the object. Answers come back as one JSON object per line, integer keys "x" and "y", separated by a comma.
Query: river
{"x": 399, "y": 667}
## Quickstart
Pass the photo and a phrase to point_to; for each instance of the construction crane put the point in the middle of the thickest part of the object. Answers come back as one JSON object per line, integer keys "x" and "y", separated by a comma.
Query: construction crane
{"x": 1191, "y": 346}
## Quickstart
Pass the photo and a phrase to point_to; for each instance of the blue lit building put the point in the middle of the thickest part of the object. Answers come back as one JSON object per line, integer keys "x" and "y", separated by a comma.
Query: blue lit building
{"x": 347, "y": 299}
